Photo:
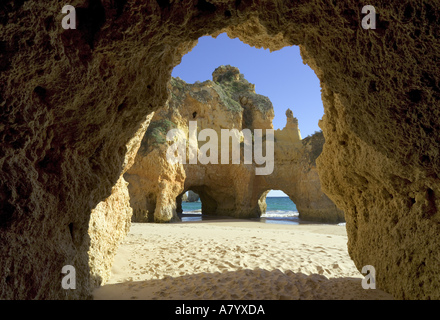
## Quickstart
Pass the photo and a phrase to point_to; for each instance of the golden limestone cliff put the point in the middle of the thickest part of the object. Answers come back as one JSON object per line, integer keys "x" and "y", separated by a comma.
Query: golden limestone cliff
{"x": 72, "y": 99}
{"x": 227, "y": 188}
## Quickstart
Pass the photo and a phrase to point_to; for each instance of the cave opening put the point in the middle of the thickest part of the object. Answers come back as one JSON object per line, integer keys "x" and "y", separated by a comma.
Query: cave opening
{"x": 289, "y": 91}
{"x": 196, "y": 204}
{"x": 189, "y": 206}
{"x": 203, "y": 194}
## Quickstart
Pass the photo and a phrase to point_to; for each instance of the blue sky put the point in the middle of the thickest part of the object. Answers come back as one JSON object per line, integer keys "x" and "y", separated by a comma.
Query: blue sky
{"x": 279, "y": 75}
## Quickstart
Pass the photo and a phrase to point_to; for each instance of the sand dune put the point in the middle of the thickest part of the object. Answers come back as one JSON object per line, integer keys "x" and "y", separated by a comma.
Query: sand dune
{"x": 235, "y": 259}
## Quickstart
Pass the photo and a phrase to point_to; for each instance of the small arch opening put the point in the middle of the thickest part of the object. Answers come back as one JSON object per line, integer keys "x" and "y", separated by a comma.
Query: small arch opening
{"x": 195, "y": 204}
{"x": 280, "y": 208}
{"x": 189, "y": 206}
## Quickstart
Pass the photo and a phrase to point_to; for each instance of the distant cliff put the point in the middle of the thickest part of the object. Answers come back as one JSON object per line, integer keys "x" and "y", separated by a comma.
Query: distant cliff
{"x": 192, "y": 196}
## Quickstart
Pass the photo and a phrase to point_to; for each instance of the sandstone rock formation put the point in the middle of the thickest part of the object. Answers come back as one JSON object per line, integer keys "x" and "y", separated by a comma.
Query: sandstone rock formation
{"x": 214, "y": 105}
{"x": 228, "y": 101}
{"x": 71, "y": 100}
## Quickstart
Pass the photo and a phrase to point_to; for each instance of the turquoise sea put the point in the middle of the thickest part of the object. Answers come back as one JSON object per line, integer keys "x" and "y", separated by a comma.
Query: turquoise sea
{"x": 279, "y": 210}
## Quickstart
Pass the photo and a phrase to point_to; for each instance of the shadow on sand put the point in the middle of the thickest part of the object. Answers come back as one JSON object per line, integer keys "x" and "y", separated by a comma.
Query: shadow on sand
{"x": 257, "y": 284}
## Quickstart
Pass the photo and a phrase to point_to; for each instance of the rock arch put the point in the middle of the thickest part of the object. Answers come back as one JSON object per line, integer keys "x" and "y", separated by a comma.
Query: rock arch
{"x": 209, "y": 204}
{"x": 74, "y": 99}
{"x": 262, "y": 200}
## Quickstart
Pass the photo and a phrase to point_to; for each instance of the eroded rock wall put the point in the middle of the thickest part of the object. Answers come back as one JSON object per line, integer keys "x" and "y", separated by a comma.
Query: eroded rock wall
{"x": 72, "y": 99}
{"x": 67, "y": 115}
{"x": 391, "y": 210}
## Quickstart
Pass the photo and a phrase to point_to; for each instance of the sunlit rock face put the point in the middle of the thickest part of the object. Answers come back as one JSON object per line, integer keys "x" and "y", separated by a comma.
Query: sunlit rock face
{"x": 227, "y": 103}
{"x": 71, "y": 100}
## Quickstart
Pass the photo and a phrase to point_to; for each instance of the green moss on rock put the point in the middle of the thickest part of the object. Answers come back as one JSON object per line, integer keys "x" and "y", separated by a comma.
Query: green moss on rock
{"x": 156, "y": 133}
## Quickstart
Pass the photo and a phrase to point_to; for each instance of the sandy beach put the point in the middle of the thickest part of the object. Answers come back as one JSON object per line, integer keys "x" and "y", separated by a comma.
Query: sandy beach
{"x": 237, "y": 260}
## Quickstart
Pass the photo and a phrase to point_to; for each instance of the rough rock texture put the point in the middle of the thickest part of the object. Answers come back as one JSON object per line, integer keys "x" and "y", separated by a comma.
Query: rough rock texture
{"x": 109, "y": 224}
{"x": 110, "y": 220}
{"x": 228, "y": 101}
{"x": 71, "y": 100}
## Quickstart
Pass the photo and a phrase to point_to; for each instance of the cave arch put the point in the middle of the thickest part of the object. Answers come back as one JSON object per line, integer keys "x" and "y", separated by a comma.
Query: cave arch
{"x": 208, "y": 203}
{"x": 289, "y": 207}
{"x": 71, "y": 118}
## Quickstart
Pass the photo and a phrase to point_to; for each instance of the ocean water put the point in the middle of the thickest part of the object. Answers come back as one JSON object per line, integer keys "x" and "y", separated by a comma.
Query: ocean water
{"x": 279, "y": 210}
